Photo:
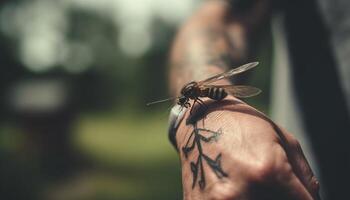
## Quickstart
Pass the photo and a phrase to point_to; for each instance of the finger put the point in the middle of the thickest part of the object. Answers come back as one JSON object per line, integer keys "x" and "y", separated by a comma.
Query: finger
{"x": 297, "y": 159}
{"x": 300, "y": 165}
{"x": 295, "y": 189}
{"x": 286, "y": 187}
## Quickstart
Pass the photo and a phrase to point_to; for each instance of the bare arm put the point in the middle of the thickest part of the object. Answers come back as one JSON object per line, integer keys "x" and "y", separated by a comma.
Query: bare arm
{"x": 234, "y": 151}
{"x": 213, "y": 40}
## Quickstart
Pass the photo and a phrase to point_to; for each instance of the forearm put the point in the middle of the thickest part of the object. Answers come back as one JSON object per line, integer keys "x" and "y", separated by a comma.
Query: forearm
{"x": 208, "y": 43}
{"x": 215, "y": 38}
{"x": 230, "y": 151}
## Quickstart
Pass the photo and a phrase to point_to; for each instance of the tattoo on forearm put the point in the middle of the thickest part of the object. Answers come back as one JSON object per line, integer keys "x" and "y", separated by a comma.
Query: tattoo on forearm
{"x": 209, "y": 46}
{"x": 222, "y": 60}
{"x": 198, "y": 49}
{"x": 194, "y": 140}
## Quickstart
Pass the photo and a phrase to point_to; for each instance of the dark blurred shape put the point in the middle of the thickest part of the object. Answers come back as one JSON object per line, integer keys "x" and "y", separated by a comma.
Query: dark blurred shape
{"x": 320, "y": 94}
{"x": 43, "y": 110}
{"x": 38, "y": 96}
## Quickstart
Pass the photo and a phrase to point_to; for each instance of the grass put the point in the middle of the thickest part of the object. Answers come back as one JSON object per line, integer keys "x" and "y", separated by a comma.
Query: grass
{"x": 132, "y": 157}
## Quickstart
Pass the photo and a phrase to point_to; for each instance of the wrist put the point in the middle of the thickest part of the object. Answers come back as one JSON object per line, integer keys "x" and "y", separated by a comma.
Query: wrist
{"x": 214, "y": 113}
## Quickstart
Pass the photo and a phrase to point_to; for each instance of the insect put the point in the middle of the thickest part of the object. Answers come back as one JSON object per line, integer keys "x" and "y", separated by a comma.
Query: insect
{"x": 205, "y": 88}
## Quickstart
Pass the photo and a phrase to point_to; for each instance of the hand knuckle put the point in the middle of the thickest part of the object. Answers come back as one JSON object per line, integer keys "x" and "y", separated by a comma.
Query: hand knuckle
{"x": 296, "y": 143}
{"x": 273, "y": 167}
{"x": 223, "y": 192}
{"x": 293, "y": 141}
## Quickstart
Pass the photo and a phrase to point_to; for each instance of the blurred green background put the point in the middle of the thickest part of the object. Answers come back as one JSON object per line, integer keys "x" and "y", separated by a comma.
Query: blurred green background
{"x": 74, "y": 80}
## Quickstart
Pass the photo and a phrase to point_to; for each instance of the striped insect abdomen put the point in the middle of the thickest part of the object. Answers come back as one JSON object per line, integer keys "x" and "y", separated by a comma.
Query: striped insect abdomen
{"x": 215, "y": 93}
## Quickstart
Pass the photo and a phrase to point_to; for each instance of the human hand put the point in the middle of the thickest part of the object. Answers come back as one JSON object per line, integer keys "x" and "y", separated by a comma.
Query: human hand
{"x": 232, "y": 151}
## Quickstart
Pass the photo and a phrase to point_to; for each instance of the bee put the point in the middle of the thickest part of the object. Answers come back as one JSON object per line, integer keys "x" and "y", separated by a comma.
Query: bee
{"x": 205, "y": 88}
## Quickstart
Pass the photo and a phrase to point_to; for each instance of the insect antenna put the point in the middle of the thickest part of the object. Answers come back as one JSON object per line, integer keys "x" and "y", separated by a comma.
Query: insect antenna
{"x": 160, "y": 101}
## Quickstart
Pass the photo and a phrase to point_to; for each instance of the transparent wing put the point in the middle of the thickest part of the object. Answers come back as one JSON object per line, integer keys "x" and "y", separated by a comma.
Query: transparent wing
{"x": 240, "y": 91}
{"x": 230, "y": 73}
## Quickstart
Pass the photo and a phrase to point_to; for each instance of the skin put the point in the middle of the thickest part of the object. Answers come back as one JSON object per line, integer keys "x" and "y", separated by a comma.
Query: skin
{"x": 261, "y": 159}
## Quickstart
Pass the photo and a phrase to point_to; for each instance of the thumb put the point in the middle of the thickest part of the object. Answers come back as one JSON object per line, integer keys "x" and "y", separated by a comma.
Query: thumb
{"x": 300, "y": 165}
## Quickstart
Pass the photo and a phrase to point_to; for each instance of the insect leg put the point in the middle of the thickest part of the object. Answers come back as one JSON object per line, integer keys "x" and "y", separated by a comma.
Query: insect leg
{"x": 201, "y": 102}
{"x": 195, "y": 101}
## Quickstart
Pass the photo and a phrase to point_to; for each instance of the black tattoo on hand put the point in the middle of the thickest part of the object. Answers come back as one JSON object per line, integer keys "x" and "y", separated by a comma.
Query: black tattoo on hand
{"x": 197, "y": 167}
